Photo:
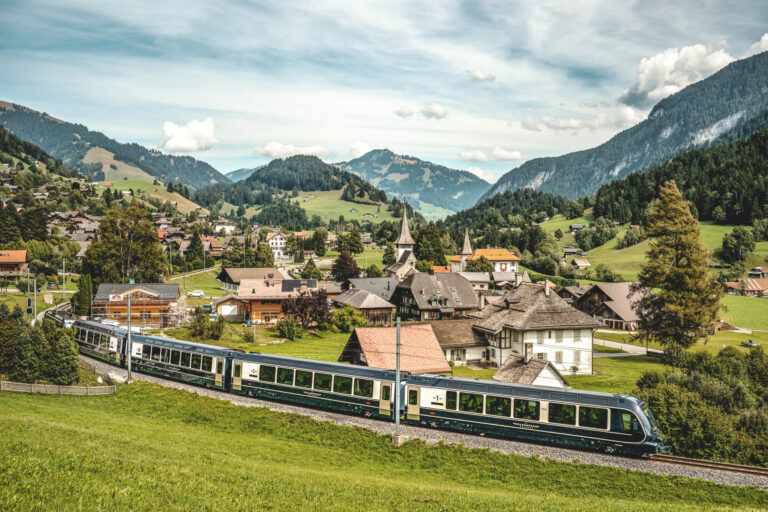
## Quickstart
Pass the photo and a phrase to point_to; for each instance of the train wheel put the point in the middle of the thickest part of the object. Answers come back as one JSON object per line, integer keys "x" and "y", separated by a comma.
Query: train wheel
{"x": 609, "y": 449}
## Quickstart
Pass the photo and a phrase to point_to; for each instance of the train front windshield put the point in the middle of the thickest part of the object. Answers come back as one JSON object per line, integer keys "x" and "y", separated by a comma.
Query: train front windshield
{"x": 650, "y": 416}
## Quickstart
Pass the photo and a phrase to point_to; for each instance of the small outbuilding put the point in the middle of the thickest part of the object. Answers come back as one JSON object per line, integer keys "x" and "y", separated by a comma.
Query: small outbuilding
{"x": 374, "y": 308}
{"x": 518, "y": 369}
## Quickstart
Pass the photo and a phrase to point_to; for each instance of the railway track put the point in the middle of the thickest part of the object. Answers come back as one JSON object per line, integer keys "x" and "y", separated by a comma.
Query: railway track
{"x": 708, "y": 464}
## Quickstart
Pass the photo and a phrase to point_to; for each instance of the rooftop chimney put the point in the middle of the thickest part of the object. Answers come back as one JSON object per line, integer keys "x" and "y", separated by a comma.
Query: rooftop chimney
{"x": 546, "y": 288}
{"x": 528, "y": 353}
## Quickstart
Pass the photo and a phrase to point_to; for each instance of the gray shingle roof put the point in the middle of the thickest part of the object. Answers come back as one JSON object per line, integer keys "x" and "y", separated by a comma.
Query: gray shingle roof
{"x": 455, "y": 333}
{"x": 384, "y": 287}
{"x": 362, "y": 299}
{"x": 516, "y": 370}
{"x": 451, "y": 290}
{"x": 235, "y": 275}
{"x": 620, "y": 299}
{"x": 164, "y": 291}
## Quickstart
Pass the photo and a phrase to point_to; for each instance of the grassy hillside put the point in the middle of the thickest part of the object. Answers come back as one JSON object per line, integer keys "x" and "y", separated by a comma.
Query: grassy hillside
{"x": 150, "y": 448}
{"x": 114, "y": 169}
{"x": 156, "y": 191}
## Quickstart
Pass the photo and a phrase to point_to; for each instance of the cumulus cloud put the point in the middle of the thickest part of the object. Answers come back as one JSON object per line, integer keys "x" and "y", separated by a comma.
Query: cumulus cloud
{"x": 482, "y": 174}
{"x": 280, "y": 150}
{"x": 193, "y": 136}
{"x": 623, "y": 117}
{"x": 481, "y": 76}
{"x": 759, "y": 47}
{"x": 357, "y": 149}
{"x": 403, "y": 111}
{"x": 433, "y": 111}
{"x": 671, "y": 70}
{"x": 497, "y": 153}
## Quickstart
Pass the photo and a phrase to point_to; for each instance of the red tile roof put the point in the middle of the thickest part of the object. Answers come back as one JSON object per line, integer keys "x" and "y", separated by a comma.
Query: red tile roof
{"x": 13, "y": 256}
{"x": 750, "y": 285}
{"x": 492, "y": 254}
{"x": 420, "y": 350}
{"x": 439, "y": 268}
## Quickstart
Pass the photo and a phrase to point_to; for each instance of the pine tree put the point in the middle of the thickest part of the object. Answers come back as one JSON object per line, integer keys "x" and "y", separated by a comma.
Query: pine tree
{"x": 345, "y": 267}
{"x": 25, "y": 363}
{"x": 84, "y": 295}
{"x": 310, "y": 271}
{"x": 389, "y": 255}
{"x": 194, "y": 253}
{"x": 687, "y": 299}
{"x": 263, "y": 256}
{"x": 354, "y": 242}
{"x": 61, "y": 365}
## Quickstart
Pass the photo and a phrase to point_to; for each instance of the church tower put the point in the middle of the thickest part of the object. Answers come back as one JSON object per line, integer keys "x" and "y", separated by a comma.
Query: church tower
{"x": 405, "y": 241}
{"x": 466, "y": 251}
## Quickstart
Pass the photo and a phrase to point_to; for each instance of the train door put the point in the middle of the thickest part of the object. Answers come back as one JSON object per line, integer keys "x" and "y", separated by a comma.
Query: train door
{"x": 237, "y": 376}
{"x": 414, "y": 409}
{"x": 385, "y": 399}
{"x": 219, "y": 372}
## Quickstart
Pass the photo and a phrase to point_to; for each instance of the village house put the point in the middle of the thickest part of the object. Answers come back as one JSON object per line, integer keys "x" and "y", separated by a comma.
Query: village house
{"x": 230, "y": 277}
{"x": 478, "y": 280}
{"x": 405, "y": 260}
{"x": 502, "y": 259}
{"x": 613, "y": 304}
{"x": 154, "y": 305}
{"x": 375, "y": 347}
{"x": 573, "y": 228}
{"x": 529, "y": 370}
{"x": 212, "y": 245}
{"x": 224, "y": 226}
{"x": 424, "y": 296}
{"x": 261, "y": 300}
{"x": 758, "y": 273}
{"x": 571, "y": 293}
{"x": 748, "y": 287}
{"x": 378, "y": 311}
{"x": 13, "y": 264}
{"x": 509, "y": 280}
{"x": 277, "y": 242}
{"x": 534, "y": 314}
{"x": 580, "y": 263}
{"x": 382, "y": 287}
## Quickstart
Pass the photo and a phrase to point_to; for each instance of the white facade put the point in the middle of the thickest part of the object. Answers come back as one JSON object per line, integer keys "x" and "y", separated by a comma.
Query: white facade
{"x": 226, "y": 227}
{"x": 505, "y": 266}
{"x": 277, "y": 244}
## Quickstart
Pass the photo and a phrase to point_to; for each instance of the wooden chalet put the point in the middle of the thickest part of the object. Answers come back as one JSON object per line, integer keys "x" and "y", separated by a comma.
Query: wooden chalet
{"x": 154, "y": 305}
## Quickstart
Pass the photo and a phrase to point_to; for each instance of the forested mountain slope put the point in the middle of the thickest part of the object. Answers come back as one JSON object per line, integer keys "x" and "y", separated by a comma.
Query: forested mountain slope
{"x": 730, "y": 104}
{"x": 95, "y": 153}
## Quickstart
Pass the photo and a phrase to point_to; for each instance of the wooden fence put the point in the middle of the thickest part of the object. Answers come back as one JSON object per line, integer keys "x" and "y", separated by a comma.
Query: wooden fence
{"x": 57, "y": 390}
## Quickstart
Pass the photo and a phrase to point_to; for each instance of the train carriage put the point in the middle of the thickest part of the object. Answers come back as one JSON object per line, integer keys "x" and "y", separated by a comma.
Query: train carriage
{"x": 341, "y": 387}
{"x": 185, "y": 361}
{"x": 579, "y": 419}
{"x": 100, "y": 341}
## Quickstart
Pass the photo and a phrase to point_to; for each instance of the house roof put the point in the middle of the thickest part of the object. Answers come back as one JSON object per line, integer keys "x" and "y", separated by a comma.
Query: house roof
{"x": 277, "y": 289}
{"x": 420, "y": 351}
{"x": 402, "y": 261}
{"x": 330, "y": 287}
{"x": 762, "y": 270}
{"x": 531, "y": 307}
{"x": 235, "y": 275}
{"x": 750, "y": 285}
{"x": 13, "y": 256}
{"x": 362, "y": 299}
{"x": 581, "y": 262}
{"x": 439, "y": 268}
{"x": 162, "y": 291}
{"x": 517, "y": 371}
{"x": 454, "y": 333}
{"x": 405, "y": 237}
{"x": 576, "y": 291}
{"x": 213, "y": 241}
{"x": 270, "y": 236}
{"x": 476, "y": 277}
{"x": 620, "y": 299}
{"x": 450, "y": 289}
{"x": 492, "y": 254}
{"x": 384, "y": 287}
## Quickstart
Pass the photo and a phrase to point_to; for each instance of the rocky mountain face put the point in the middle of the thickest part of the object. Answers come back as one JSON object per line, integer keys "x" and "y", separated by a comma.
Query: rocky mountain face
{"x": 729, "y": 105}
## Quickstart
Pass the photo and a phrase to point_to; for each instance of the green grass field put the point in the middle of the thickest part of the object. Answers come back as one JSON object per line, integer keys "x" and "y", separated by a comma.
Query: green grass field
{"x": 616, "y": 374}
{"x": 152, "y": 448}
{"x": 205, "y": 281}
{"x": 713, "y": 344}
{"x": 364, "y": 259}
{"x": 157, "y": 191}
{"x": 749, "y": 312}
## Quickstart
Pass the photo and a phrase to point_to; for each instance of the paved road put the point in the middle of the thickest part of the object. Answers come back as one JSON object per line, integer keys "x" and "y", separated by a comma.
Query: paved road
{"x": 631, "y": 350}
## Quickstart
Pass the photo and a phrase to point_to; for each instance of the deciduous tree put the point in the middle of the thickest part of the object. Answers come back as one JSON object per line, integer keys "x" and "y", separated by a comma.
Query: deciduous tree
{"x": 345, "y": 267}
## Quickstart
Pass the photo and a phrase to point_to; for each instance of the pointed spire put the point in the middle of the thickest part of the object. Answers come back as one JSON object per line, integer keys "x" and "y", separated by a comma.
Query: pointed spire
{"x": 405, "y": 233}
{"x": 466, "y": 249}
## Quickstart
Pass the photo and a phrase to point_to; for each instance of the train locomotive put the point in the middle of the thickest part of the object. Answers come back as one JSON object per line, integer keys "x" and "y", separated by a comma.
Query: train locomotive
{"x": 612, "y": 423}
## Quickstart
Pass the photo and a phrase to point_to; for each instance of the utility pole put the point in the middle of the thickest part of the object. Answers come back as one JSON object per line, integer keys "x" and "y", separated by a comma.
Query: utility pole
{"x": 397, "y": 439}
{"x": 129, "y": 348}
{"x": 64, "y": 278}
{"x": 35, "y": 314}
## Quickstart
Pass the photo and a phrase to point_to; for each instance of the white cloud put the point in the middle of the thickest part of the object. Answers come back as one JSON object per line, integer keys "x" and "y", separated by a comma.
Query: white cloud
{"x": 481, "y": 76}
{"x": 474, "y": 156}
{"x": 403, "y": 111}
{"x": 671, "y": 70}
{"x": 497, "y": 153}
{"x": 483, "y": 174}
{"x": 433, "y": 111}
{"x": 194, "y": 136}
{"x": 502, "y": 154}
{"x": 357, "y": 149}
{"x": 280, "y": 150}
{"x": 759, "y": 47}
{"x": 623, "y": 117}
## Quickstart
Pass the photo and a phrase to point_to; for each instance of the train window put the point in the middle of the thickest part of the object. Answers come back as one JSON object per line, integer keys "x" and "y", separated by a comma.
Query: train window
{"x": 323, "y": 381}
{"x": 207, "y": 363}
{"x": 629, "y": 423}
{"x": 498, "y": 406}
{"x": 219, "y": 366}
{"x": 267, "y": 373}
{"x": 470, "y": 402}
{"x": 145, "y": 351}
{"x": 237, "y": 370}
{"x": 175, "y": 357}
{"x": 185, "y": 357}
{"x": 450, "y": 400}
{"x": 386, "y": 393}
{"x": 166, "y": 355}
{"x": 155, "y": 353}
{"x": 562, "y": 413}
{"x": 195, "y": 362}
{"x": 342, "y": 384}
{"x": 413, "y": 397}
{"x": 364, "y": 387}
{"x": 303, "y": 379}
{"x": 285, "y": 376}
{"x": 527, "y": 409}
{"x": 593, "y": 417}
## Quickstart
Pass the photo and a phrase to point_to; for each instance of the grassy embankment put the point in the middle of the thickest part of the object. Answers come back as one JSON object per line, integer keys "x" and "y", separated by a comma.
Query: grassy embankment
{"x": 151, "y": 448}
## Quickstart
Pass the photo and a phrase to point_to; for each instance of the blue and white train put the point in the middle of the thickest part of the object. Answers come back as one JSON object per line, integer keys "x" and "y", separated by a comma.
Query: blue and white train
{"x": 613, "y": 423}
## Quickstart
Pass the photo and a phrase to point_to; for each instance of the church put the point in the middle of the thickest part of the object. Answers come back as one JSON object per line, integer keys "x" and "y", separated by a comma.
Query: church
{"x": 405, "y": 259}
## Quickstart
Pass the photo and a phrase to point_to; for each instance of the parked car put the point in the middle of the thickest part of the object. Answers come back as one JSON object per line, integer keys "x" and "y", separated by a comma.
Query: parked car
{"x": 196, "y": 293}
{"x": 750, "y": 343}
{"x": 207, "y": 308}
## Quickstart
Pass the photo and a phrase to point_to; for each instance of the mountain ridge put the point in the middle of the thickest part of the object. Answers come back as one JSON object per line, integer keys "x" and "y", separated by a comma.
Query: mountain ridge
{"x": 700, "y": 115}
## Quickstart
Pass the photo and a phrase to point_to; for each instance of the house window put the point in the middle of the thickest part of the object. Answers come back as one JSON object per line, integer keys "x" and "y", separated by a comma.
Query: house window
{"x": 549, "y": 335}
{"x": 559, "y": 336}
{"x": 541, "y": 356}
{"x": 577, "y": 335}
{"x": 577, "y": 356}
{"x": 539, "y": 337}
{"x": 559, "y": 357}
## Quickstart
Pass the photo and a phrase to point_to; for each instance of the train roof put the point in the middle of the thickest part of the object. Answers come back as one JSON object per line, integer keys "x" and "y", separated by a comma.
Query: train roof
{"x": 310, "y": 364}
{"x": 182, "y": 344}
{"x": 524, "y": 391}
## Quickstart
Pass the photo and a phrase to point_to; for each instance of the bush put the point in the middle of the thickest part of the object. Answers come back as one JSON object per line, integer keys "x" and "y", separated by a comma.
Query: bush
{"x": 347, "y": 318}
{"x": 289, "y": 328}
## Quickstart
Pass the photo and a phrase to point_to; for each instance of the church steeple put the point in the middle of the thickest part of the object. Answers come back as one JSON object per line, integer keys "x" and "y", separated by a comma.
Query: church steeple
{"x": 466, "y": 249}
{"x": 405, "y": 241}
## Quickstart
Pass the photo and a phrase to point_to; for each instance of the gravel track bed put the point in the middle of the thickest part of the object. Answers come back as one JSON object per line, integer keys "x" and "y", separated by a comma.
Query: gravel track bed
{"x": 433, "y": 436}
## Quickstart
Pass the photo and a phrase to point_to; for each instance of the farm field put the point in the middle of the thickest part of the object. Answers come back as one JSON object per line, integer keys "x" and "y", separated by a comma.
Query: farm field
{"x": 749, "y": 312}
{"x": 150, "y": 448}
{"x": 713, "y": 344}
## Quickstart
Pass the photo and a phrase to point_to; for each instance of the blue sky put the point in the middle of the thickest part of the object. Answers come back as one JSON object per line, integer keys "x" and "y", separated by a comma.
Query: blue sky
{"x": 476, "y": 85}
